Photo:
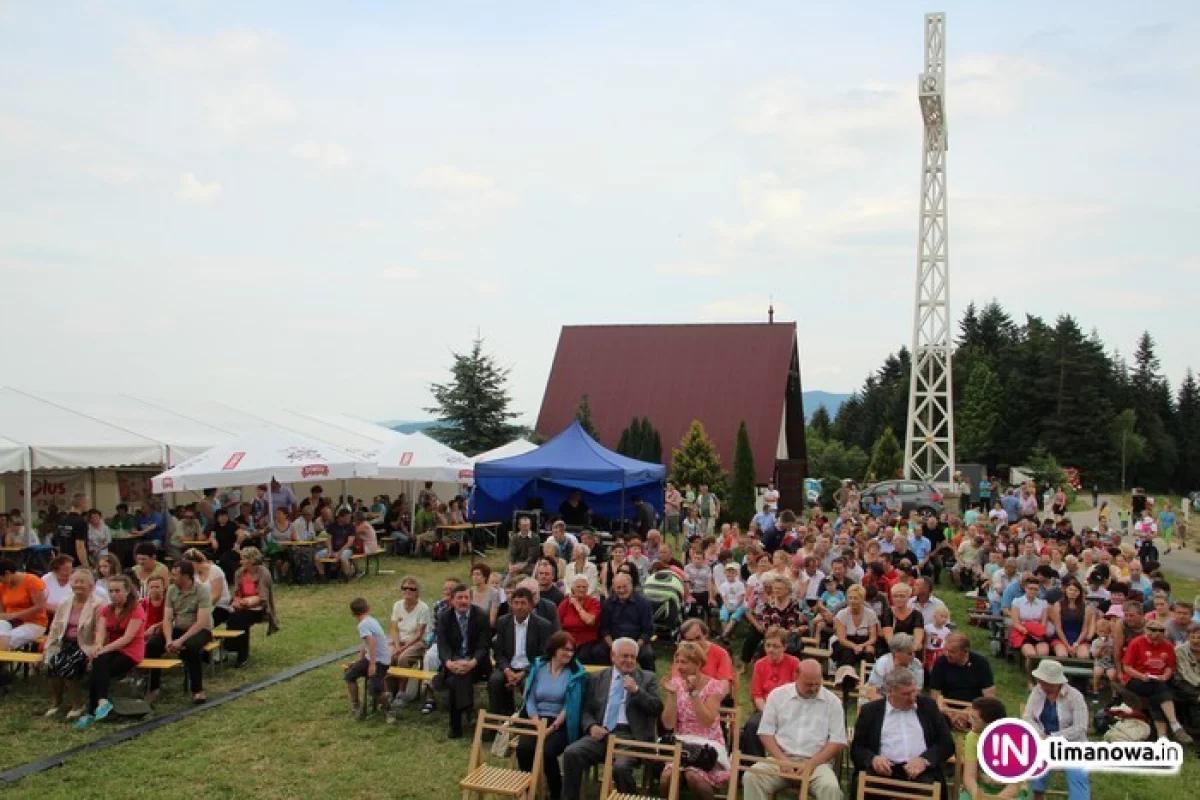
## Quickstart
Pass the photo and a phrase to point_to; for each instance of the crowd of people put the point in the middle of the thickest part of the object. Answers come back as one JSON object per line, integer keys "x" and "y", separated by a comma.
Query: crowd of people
{"x": 860, "y": 582}
{"x": 95, "y": 619}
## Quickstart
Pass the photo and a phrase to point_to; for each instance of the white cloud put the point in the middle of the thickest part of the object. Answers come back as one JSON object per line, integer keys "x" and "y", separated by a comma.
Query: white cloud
{"x": 117, "y": 174}
{"x": 193, "y": 190}
{"x": 328, "y": 154}
{"x": 693, "y": 269}
{"x": 452, "y": 179}
{"x": 231, "y": 49}
{"x": 245, "y": 106}
{"x": 400, "y": 273}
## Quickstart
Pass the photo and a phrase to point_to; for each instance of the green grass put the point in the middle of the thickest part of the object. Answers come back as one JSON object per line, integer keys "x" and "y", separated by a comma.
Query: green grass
{"x": 297, "y": 739}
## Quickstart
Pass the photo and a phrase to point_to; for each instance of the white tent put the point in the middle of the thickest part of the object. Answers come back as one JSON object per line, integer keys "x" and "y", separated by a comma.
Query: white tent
{"x": 514, "y": 448}
{"x": 379, "y": 433}
{"x": 364, "y": 447}
{"x": 59, "y": 438}
{"x": 12, "y": 456}
{"x": 417, "y": 457}
{"x": 182, "y": 436}
{"x": 260, "y": 456}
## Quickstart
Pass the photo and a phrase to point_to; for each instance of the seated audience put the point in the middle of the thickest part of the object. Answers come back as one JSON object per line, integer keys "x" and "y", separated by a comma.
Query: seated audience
{"x": 718, "y": 664}
{"x": 856, "y": 632}
{"x": 960, "y": 675}
{"x": 58, "y": 582}
{"x": 147, "y": 565}
{"x": 1147, "y": 665}
{"x": 119, "y": 647}
{"x": 776, "y": 668}
{"x": 803, "y": 729}
{"x": 900, "y": 656}
{"x": 463, "y": 643}
{"x": 1073, "y": 621}
{"x": 975, "y": 782}
{"x": 579, "y": 615}
{"x": 23, "y": 617}
{"x": 581, "y": 566}
{"x": 903, "y": 735}
{"x": 692, "y": 708}
{"x": 627, "y": 615}
{"x": 484, "y": 596}
{"x": 521, "y": 636}
{"x": 208, "y": 574}
{"x": 253, "y": 602}
{"x": 72, "y": 629}
{"x": 410, "y": 622}
{"x": 554, "y": 692}
{"x": 1055, "y": 708}
{"x": 374, "y": 659}
{"x": 620, "y": 701}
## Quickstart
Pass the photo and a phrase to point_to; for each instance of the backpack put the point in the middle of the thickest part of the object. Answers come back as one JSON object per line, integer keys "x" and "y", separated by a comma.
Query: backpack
{"x": 438, "y": 551}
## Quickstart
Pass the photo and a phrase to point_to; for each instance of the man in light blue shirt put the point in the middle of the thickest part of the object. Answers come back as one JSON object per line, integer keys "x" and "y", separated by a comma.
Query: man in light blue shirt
{"x": 765, "y": 521}
{"x": 921, "y": 546}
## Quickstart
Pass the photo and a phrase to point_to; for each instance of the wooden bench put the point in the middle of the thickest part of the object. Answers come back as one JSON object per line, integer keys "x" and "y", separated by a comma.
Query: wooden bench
{"x": 409, "y": 673}
{"x": 20, "y": 659}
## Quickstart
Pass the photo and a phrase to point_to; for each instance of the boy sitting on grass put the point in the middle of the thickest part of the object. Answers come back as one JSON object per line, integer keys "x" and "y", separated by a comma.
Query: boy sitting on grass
{"x": 374, "y": 659}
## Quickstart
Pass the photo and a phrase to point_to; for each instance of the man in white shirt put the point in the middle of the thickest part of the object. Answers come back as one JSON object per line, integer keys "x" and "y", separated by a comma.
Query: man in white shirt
{"x": 903, "y": 736}
{"x": 803, "y": 729}
{"x": 771, "y": 497}
{"x": 923, "y": 599}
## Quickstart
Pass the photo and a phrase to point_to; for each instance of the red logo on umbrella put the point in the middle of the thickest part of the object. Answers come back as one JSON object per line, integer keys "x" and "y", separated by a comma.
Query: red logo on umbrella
{"x": 168, "y": 483}
{"x": 406, "y": 459}
{"x": 314, "y": 470}
{"x": 233, "y": 461}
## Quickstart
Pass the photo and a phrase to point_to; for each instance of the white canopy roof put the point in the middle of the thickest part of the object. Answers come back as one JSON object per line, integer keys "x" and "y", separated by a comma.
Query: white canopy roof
{"x": 12, "y": 456}
{"x": 183, "y": 437}
{"x": 260, "y": 456}
{"x": 417, "y": 457}
{"x": 365, "y": 447}
{"x": 379, "y": 433}
{"x": 514, "y": 448}
{"x": 62, "y": 438}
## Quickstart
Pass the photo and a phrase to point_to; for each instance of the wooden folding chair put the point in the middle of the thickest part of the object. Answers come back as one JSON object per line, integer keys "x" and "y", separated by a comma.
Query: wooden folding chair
{"x": 731, "y": 719}
{"x": 484, "y": 779}
{"x": 743, "y": 763}
{"x": 894, "y": 789}
{"x": 641, "y": 751}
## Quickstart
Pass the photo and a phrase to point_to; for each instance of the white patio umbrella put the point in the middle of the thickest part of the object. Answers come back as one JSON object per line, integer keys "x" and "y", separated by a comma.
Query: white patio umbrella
{"x": 420, "y": 458}
{"x": 262, "y": 455}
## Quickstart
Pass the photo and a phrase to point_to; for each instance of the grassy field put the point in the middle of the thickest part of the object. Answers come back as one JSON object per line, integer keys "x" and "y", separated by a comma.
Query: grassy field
{"x": 297, "y": 739}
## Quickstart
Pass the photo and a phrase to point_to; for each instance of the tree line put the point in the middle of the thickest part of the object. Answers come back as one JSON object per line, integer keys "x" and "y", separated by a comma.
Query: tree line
{"x": 1025, "y": 391}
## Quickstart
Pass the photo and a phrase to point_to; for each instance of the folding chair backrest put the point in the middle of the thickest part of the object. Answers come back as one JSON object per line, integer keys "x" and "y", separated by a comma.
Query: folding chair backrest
{"x": 731, "y": 718}
{"x": 515, "y": 727}
{"x": 864, "y": 672}
{"x": 643, "y": 752}
{"x": 956, "y": 705}
{"x": 896, "y": 789}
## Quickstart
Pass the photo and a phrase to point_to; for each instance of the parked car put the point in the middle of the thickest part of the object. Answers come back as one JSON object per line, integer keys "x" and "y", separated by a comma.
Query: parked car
{"x": 917, "y": 496}
{"x": 812, "y": 492}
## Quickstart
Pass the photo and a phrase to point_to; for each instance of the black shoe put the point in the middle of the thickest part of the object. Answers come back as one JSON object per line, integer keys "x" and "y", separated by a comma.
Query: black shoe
{"x": 429, "y": 706}
{"x": 242, "y": 663}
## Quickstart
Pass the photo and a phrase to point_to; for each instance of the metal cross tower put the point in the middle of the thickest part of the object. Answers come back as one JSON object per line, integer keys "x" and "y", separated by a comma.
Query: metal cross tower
{"x": 929, "y": 441}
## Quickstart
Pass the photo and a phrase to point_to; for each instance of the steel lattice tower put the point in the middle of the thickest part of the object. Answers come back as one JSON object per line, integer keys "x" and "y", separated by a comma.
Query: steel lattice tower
{"x": 929, "y": 441}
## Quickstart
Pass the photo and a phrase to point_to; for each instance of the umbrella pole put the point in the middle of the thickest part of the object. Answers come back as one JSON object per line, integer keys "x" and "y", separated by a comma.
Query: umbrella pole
{"x": 622, "y": 505}
{"x": 28, "y": 504}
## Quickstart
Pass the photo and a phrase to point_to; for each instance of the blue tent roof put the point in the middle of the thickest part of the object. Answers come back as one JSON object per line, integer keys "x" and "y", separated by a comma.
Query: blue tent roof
{"x": 573, "y": 456}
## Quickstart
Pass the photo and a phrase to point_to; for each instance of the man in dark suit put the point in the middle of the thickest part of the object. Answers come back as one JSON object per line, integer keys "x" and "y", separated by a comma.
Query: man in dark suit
{"x": 628, "y": 614}
{"x": 620, "y": 701}
{"x": 464, "y": 633}
{"x": 521, "y": 637}
{"x": 903, "y": 736}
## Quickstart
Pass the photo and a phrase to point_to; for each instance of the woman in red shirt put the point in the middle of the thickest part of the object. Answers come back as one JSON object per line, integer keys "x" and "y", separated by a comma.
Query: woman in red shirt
{"x": 120, "y": 646}
{"x": 777, "y": 668}
{"x": 1148, "y": 664}
{"x": 579, "y": 613}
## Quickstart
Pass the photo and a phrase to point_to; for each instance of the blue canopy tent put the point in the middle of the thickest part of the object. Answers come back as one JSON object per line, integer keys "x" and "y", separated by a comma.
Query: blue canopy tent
{"x": 570, "y": 461}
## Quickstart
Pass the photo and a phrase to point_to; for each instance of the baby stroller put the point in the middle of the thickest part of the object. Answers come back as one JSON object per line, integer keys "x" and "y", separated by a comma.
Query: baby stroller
{"x": 664, "y": 590}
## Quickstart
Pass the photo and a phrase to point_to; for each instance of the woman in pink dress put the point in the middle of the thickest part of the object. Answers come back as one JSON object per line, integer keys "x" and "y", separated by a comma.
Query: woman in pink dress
{"x": 692, "y": 707}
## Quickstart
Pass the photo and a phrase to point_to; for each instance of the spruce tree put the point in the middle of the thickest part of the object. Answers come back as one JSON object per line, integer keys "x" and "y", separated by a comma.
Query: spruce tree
{"x": 695, "y": 461}
{"x": 472, "y": 408}
{"x": 743, "y": 493}
{"x": 584, "y": 415}
{"x": 630, "y": 443}
{"x": 820, "y": 423}
{"x": 978, "y": 417}
{"x": 1187, "y": 434}
{"x": 886, "y": 457}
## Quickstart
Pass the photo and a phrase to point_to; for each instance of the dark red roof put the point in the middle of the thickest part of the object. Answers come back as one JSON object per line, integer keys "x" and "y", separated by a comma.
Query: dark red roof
{"x": 673, "y": 374}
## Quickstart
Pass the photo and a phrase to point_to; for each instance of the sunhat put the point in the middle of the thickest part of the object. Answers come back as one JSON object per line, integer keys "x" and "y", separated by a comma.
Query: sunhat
{"x": 1050, "y": 671}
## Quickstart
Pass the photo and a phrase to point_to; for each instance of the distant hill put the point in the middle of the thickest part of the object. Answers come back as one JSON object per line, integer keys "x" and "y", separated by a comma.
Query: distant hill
{"x": 812, "y": 401}
{"x": 815, "y": 399}
{"x": 408, "y": 426}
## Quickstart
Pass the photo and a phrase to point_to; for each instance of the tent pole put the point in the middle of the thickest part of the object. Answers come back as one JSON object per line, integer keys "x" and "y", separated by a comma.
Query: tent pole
{"x": 622, "y": 504}
{"x": 344, "y": 501}
{"x": 28, "y": 503}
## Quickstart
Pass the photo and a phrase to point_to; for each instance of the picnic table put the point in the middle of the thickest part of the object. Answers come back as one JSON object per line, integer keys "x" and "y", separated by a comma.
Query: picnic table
{"x": 457, "y": 533}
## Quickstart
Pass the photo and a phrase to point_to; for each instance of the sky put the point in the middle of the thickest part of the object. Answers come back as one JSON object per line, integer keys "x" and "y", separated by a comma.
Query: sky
{"x": 313, "y": 205}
